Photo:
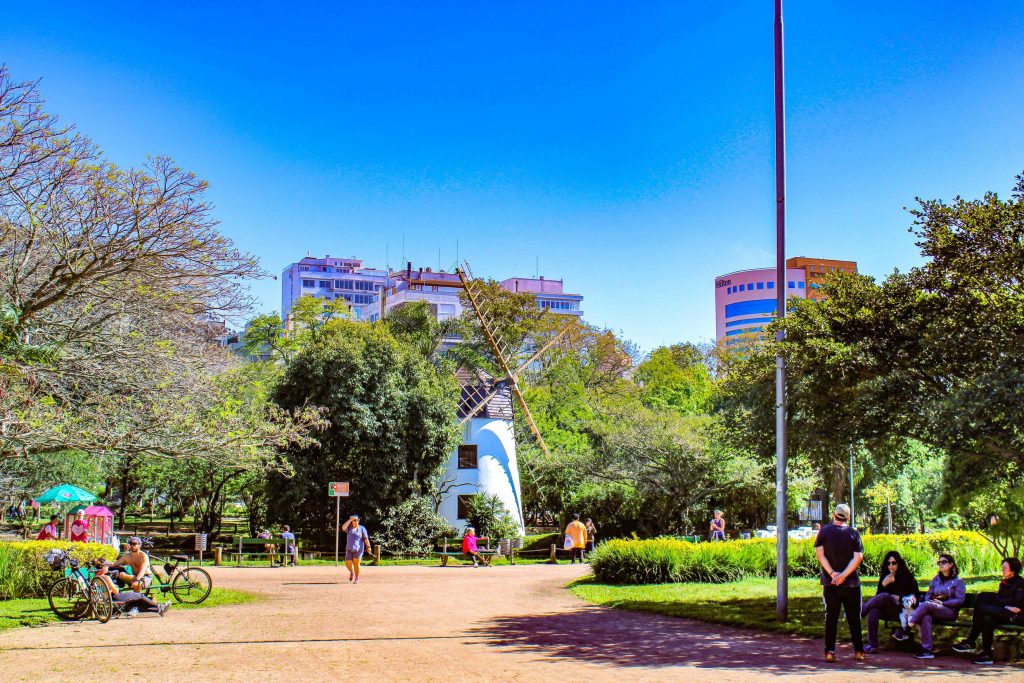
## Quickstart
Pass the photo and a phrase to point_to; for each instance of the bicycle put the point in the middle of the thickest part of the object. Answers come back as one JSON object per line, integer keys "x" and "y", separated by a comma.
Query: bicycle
{"x": 77, "y": 595}
{"x": 190, "y": 585}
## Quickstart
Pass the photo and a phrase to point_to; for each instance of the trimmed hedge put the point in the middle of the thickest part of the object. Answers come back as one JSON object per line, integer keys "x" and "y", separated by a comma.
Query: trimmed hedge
{"x": 663, "y": 560}
{"x": 24, "y": 573}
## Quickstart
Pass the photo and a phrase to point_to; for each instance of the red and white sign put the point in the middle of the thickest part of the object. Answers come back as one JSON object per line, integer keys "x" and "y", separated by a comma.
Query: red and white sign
{"x": 338, "y": 488}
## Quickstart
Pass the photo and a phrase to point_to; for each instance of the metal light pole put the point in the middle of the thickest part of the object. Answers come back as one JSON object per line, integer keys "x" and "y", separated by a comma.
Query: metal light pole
{"x": 781, "y": 483}
{"x": 853, "y": 510}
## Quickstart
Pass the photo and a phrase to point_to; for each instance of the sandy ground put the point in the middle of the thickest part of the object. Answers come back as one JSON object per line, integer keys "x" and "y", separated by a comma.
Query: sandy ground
{"x": 432, "y": 624}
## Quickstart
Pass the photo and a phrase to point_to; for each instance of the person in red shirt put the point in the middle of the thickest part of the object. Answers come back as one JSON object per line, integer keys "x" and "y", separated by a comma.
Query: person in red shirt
{"x": 469, "y": 547}
{"x": 79, "y": 531}
{"x": 50, "y": 532}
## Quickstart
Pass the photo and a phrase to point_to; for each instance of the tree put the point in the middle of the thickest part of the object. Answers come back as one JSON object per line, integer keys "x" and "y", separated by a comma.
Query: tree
{"x": 390, "y": 424}
{"x": 676, "y": 378}
{"x": 935, "y": 354}
{"x": 110, "y": 283}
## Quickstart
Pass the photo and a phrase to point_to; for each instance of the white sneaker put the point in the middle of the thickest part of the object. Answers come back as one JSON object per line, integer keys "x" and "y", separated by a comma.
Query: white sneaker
{"x": 133, "y": 612}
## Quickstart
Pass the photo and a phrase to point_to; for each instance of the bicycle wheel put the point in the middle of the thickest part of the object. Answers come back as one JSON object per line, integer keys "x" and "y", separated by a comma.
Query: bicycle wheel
{"x": 191, "y": 585}
{"x": 102, "y": 601}
{"x": 68, "y": 599}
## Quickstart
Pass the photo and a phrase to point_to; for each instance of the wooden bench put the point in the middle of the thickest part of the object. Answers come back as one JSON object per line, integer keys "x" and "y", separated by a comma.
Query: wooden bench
{"x": 256, "y": 547}
{"x": 969, "y": 602}
{"x": 446, "y": 554}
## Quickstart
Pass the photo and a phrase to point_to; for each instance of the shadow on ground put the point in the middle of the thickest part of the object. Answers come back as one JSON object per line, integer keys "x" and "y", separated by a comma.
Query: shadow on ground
{"x": 629, "y": 639}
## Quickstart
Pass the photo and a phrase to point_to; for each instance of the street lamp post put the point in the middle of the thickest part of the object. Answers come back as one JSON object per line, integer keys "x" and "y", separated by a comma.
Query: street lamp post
{"x": 781, "y": 483}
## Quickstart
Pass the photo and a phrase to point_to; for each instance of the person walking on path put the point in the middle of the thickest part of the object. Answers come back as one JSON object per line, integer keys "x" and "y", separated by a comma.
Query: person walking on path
{"x": 591, "y": 535}
{"x": 578, "y": 533}
{"x": 1006, "y": 606}
{"x": 945, "y": 597}
{"x": 840, "y": 551}
{"x": 357, "y": 541}
{"x": 717, "y": 527}
{"x": 896, "y": 582}
{"x": 291, "y": 550}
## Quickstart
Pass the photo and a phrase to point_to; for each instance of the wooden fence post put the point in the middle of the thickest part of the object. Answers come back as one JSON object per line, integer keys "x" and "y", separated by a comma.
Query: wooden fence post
{"x": 554, "y": 557}
{"x": 376, "y": 554}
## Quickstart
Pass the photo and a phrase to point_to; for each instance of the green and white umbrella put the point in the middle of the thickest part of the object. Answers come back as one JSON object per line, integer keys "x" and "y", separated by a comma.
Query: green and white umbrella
{"x": 66, "y": 493}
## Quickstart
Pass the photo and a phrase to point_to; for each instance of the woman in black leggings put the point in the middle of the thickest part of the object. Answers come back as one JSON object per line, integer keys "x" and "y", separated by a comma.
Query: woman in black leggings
{"x": 129, "y": 599}
{"x": 992, "y": 609}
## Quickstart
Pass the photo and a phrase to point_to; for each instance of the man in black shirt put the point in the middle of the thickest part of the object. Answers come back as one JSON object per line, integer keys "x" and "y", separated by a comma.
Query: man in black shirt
{"x": 840, "y": 552}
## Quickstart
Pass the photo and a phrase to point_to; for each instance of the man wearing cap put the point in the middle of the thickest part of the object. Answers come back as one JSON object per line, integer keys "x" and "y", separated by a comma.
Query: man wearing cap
{"x": 141, "y": 575}
{"x": 840, "y": 551}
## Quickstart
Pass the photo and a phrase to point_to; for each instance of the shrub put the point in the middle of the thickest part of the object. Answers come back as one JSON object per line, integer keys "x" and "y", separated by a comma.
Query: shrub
{"x": 489, "y": 517}
{"x": 411, "y": 528}
{"x": 664, "y": 560}
{"x": 24, "y": 573}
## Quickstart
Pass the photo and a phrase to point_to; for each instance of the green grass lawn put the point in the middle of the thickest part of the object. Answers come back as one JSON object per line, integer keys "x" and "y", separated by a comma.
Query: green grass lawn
{"x": 36, "y": 611}
{"x": 748, "y": 603}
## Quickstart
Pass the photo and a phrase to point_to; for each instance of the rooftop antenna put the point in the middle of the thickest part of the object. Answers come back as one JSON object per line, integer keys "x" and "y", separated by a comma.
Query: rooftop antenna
{"x": 439, "y": 258}
{"x": 536, "y": 267}
{"x": 403, "y": 248}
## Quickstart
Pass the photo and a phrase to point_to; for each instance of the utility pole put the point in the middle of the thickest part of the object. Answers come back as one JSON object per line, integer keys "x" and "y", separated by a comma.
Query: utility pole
{"x": 781, "y": 465}
{"x": 853, "y": 510}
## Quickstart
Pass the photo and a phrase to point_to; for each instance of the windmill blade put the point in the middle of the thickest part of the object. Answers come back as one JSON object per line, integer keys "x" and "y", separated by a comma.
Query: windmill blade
{"x": 543, "y": 349}
{"x": 472, "y": 412}
{"x": 500, "y": 356}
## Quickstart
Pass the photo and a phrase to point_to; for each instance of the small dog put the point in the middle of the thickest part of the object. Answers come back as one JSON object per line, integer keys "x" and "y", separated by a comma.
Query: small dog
{"x": 909, "y": 605}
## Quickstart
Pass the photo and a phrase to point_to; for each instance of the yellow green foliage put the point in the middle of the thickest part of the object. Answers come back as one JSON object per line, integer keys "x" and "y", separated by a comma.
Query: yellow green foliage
{"x": 24, "y": 573}
{"x": 666, "y": 560}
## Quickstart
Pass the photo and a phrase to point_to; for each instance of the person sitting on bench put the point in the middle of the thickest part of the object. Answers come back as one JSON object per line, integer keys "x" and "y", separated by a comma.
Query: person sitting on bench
{"x": 469, "y": 548}
{"x": 129, "y": 600}
{"x": 1006, "y": 606}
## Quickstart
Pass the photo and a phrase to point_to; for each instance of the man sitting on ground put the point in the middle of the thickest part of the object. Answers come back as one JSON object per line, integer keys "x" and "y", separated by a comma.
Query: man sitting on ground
{"x": 141, "y": 576}
{"x": 469, "y": 548}
{"x": 131, "y": 600}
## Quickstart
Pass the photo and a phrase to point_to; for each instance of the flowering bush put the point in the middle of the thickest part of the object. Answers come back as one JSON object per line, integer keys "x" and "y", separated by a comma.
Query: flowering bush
{"x": 666, "y": 560}
{"x": 24, "y": 573}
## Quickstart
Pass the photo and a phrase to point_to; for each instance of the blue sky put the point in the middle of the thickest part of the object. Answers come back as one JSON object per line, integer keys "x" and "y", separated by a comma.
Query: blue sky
{"x": 625, "y": 147}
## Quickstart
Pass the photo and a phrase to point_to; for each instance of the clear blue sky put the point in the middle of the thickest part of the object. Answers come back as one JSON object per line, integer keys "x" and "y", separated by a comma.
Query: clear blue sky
{"x": 626, "y": 146}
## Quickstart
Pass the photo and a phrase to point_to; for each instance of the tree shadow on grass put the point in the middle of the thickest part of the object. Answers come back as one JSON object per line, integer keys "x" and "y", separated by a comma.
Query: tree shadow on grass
{"x": 634, "y": 639}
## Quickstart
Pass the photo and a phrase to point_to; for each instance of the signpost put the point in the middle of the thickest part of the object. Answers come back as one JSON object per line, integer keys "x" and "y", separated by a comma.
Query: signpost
{"x": 339, "y": 490}
{"x": 200, "y": 546}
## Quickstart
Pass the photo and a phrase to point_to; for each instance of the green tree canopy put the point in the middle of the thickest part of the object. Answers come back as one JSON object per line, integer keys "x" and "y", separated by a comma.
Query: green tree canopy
{"x": 391, "y": 416}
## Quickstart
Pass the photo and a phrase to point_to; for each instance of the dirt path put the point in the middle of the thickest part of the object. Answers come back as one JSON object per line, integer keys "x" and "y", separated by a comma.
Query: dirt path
{"x": 430, "y": 624}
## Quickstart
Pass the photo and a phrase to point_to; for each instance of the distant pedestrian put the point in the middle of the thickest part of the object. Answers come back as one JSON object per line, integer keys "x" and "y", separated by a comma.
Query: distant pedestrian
{"x": 51, "y": 530}
{"x": 840, "y": 551}
{"x": 357, "y": 541}
{"x": 291, "y": 550}
{"x": 591, "y": 535}
{"x": 577, "y": 532}
{"x": 717, "y": 527}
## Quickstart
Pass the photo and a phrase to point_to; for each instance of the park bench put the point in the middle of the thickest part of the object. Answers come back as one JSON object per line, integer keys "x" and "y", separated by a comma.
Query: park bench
{"x": 969, "y": 602}
{"x": 446, "y": 554}
{"x": 255, "y": 547}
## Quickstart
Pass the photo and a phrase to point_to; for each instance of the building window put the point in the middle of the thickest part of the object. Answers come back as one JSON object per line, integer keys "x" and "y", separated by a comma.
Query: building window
{"x": 792, "y": 285}
{"x": 324, "y": 284}
{"x": 309, "y": 283}
{"x": 800, "y": 285}
{"x": 463, "y": 507}
{"x": 760, "y": 285}
{"x": 771, "y": 285}
{"x": 467, "y": 456}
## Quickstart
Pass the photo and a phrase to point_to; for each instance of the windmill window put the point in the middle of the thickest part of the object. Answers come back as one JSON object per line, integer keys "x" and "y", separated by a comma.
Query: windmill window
{"x": 463, "y": 507}
{"x": 467, "y": 457}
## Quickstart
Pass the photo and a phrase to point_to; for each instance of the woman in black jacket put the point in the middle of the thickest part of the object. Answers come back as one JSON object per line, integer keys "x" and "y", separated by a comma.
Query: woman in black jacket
{"x": 894, "y": 582}
{"x": 991, "y": 609}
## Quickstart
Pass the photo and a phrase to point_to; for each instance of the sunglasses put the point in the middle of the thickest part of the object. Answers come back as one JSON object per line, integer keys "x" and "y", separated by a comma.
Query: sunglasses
{"x": 894, "y": 564}
{"x": 942, "y": 562}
